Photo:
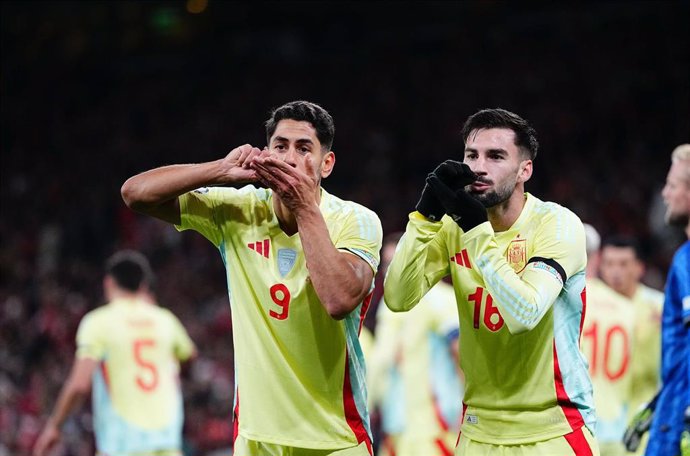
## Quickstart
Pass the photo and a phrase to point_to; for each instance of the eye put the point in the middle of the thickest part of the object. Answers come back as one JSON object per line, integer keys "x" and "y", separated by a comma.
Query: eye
{"x": 279, "y": 146}
{"x": 470, "y": 156}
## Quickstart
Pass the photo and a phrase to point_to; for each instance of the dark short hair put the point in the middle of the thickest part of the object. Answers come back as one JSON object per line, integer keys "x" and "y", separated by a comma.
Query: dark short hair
{"x": 320, "y": 119}
{"x": 623, "y": 242}
{"x": 129, "y": 269}
{"x": 525, "y": 135}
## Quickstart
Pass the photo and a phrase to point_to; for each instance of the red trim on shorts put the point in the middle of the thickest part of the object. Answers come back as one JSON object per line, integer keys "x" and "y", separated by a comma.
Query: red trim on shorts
{"x": 569, "y": 410}
{"x": 236, "y": 418}
{"x": 583, "y": 298}
{"x": 351, "y": 413}
{"x": 445, "y": 451}
{"x": 579, "y": 443}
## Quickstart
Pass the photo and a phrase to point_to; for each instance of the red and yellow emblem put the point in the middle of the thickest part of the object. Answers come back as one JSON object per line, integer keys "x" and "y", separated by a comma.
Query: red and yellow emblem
{"x": 517, "y": 254}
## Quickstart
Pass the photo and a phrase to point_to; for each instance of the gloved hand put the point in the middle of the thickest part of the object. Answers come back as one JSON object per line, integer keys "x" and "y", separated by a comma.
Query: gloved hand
{"x": 454, "y": 174}
{"x": 639, "y": 426}
{"x": 458, "y": 204}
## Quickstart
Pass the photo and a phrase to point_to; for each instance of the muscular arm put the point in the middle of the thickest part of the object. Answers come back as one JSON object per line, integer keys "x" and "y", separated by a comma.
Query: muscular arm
{"x": 155, "y": 192}
{"x": 340, "y": 279}
{"x": 417, "y": 265}
{"x": 71, "y": 396}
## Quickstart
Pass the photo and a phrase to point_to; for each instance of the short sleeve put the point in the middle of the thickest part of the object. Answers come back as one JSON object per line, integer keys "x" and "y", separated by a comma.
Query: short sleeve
{"x": 90, "y": 337}
{"x": 182, "y": 344}
{"x": 362, "y": 235}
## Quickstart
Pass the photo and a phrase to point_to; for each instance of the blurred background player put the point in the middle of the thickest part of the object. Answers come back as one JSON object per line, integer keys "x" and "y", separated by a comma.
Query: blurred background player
{"x": 518, "y": 268}
{"x": 670, "y": 431}
{"x": 622, "y": 268}
{"x": 414, "y": 374}
{"x": 129, "y": 351}
{"x": 300, "y": 268}
{"x": 607, "y": 342}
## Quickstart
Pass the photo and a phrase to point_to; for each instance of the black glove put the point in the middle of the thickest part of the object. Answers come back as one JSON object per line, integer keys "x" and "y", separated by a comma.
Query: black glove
{"x": 639, "y": 426}
{"x": 458, "y": 204}
{"x": 455, "y": 175}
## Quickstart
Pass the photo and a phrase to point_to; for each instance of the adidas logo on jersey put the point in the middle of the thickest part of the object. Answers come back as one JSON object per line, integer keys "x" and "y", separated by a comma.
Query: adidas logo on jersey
{"x": 261, "y": 247}
{"x": 461, "y": 259}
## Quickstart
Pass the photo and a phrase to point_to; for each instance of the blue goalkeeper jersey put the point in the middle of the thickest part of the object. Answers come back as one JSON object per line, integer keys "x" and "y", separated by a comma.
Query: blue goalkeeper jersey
{"x": 664, "y": 439}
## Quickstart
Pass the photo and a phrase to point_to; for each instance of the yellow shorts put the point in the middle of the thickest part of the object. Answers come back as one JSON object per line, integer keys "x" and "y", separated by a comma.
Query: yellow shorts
{"x": 577, "y": 443}
{"x": 244, "y": 447}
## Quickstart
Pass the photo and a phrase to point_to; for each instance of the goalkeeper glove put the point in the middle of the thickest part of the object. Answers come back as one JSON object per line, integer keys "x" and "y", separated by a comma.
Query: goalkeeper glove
{"x": 639, "y": 426}
{"x": 454, "y": 174}
{"x": 465, "y": 210}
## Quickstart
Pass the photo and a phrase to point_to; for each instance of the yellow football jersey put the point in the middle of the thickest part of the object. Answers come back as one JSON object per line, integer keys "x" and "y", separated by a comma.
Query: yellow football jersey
{"x": 607, "y": 343}
{"x": 422, "y": 398}
{"x": 521, "y": 302}
{"x": 646, "y": 358}
{"x": 299, "y": 374}
{"x": 137, "y": 403}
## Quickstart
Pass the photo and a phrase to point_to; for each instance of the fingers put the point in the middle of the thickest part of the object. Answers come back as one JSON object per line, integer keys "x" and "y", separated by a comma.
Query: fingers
{"x": 455, "y": 173}
{"x": 441, "y": 190}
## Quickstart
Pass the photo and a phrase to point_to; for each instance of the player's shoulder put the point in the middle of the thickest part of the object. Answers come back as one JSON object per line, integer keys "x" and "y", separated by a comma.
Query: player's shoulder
{"x": 650, "y": 295}
{"x": 682, "y": 255}
{"x": 339, "y": 207}
{"x": 98, "y": 315}
{"x": 550, "y": 209}
{"x": 247, "y": 193}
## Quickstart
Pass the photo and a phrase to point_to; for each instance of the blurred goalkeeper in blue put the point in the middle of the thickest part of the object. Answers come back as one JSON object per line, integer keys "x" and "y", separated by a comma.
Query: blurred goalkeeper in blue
{"x": 670, "y": 422}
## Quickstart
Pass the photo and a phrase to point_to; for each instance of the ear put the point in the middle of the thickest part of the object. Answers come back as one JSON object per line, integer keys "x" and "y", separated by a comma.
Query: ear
{"x": 525, "y": 171}
{"x": 108, "y": 287}
{"x": 327, "y": 164}
{"x": 639, "y": 269}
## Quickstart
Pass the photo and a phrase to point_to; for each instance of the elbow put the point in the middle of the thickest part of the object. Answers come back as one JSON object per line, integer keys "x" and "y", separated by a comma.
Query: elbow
{"x": 339, "y": 308}
{"x": 395, "y": 303}
{"x": 130, "y": 194}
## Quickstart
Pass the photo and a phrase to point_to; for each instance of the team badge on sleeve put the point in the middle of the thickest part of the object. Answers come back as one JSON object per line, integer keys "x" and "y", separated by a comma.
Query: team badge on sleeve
{"x": 286, "y": 260}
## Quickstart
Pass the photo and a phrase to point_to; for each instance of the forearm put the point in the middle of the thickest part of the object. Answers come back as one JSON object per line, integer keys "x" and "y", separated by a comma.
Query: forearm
{"x": 338, "y": 283}
{"x": 70, "y": 398}
{"x": 160, "y": 185}
{"x": 416, "y": 266}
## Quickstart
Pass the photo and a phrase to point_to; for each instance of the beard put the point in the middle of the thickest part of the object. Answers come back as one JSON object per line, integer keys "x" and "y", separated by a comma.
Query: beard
{"x": 498, "y": 195}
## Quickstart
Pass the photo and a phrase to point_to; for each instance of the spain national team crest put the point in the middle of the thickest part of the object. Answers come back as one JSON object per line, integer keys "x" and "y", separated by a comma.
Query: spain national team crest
{"x": 286, "y": 260}
{"x": 517, "y": 254}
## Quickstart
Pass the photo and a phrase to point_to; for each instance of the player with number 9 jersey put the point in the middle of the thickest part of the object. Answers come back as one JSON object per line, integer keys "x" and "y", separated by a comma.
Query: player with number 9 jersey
{"x": 299, "y": 372}
{"x": 137, "y": 400}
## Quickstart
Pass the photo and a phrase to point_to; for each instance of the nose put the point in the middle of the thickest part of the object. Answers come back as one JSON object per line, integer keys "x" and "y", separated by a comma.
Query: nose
{"x": 291, "y": 156}
{"x": 478, "y": 166}
{"x": 664, "y": 192}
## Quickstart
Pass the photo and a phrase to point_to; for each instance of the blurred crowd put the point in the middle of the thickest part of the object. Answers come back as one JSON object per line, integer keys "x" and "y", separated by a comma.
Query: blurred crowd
{"x": 95, "y": 92}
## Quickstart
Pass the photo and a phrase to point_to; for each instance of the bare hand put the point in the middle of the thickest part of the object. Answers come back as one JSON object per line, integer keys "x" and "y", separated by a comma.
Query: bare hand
{"x": 295, "y": 188}
{"x": 237, "y": 164}
{"x": 47, "y": 440}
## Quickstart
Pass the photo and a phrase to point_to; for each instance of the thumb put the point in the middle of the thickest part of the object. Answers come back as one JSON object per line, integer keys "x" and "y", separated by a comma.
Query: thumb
{"x": 441, "y": 190}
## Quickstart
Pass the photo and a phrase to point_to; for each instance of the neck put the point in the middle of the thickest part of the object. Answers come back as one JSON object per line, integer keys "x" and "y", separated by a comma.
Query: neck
{"x": 630, "y": 292}
{"x": 286, "y": 217}
{"x": 122, "y": 294}
{"x": 503, "y": 215}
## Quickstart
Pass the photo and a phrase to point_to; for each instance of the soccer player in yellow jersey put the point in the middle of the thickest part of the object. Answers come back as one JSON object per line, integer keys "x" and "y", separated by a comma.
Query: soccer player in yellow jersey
{"x": 128, "y": 351}
{"x": 622, "y": 269}
{"x": 413, "y": 372}
{"x": 518, "y": 268}
{"x": 300, "y": 267}
{"x": 607, "y": 342}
